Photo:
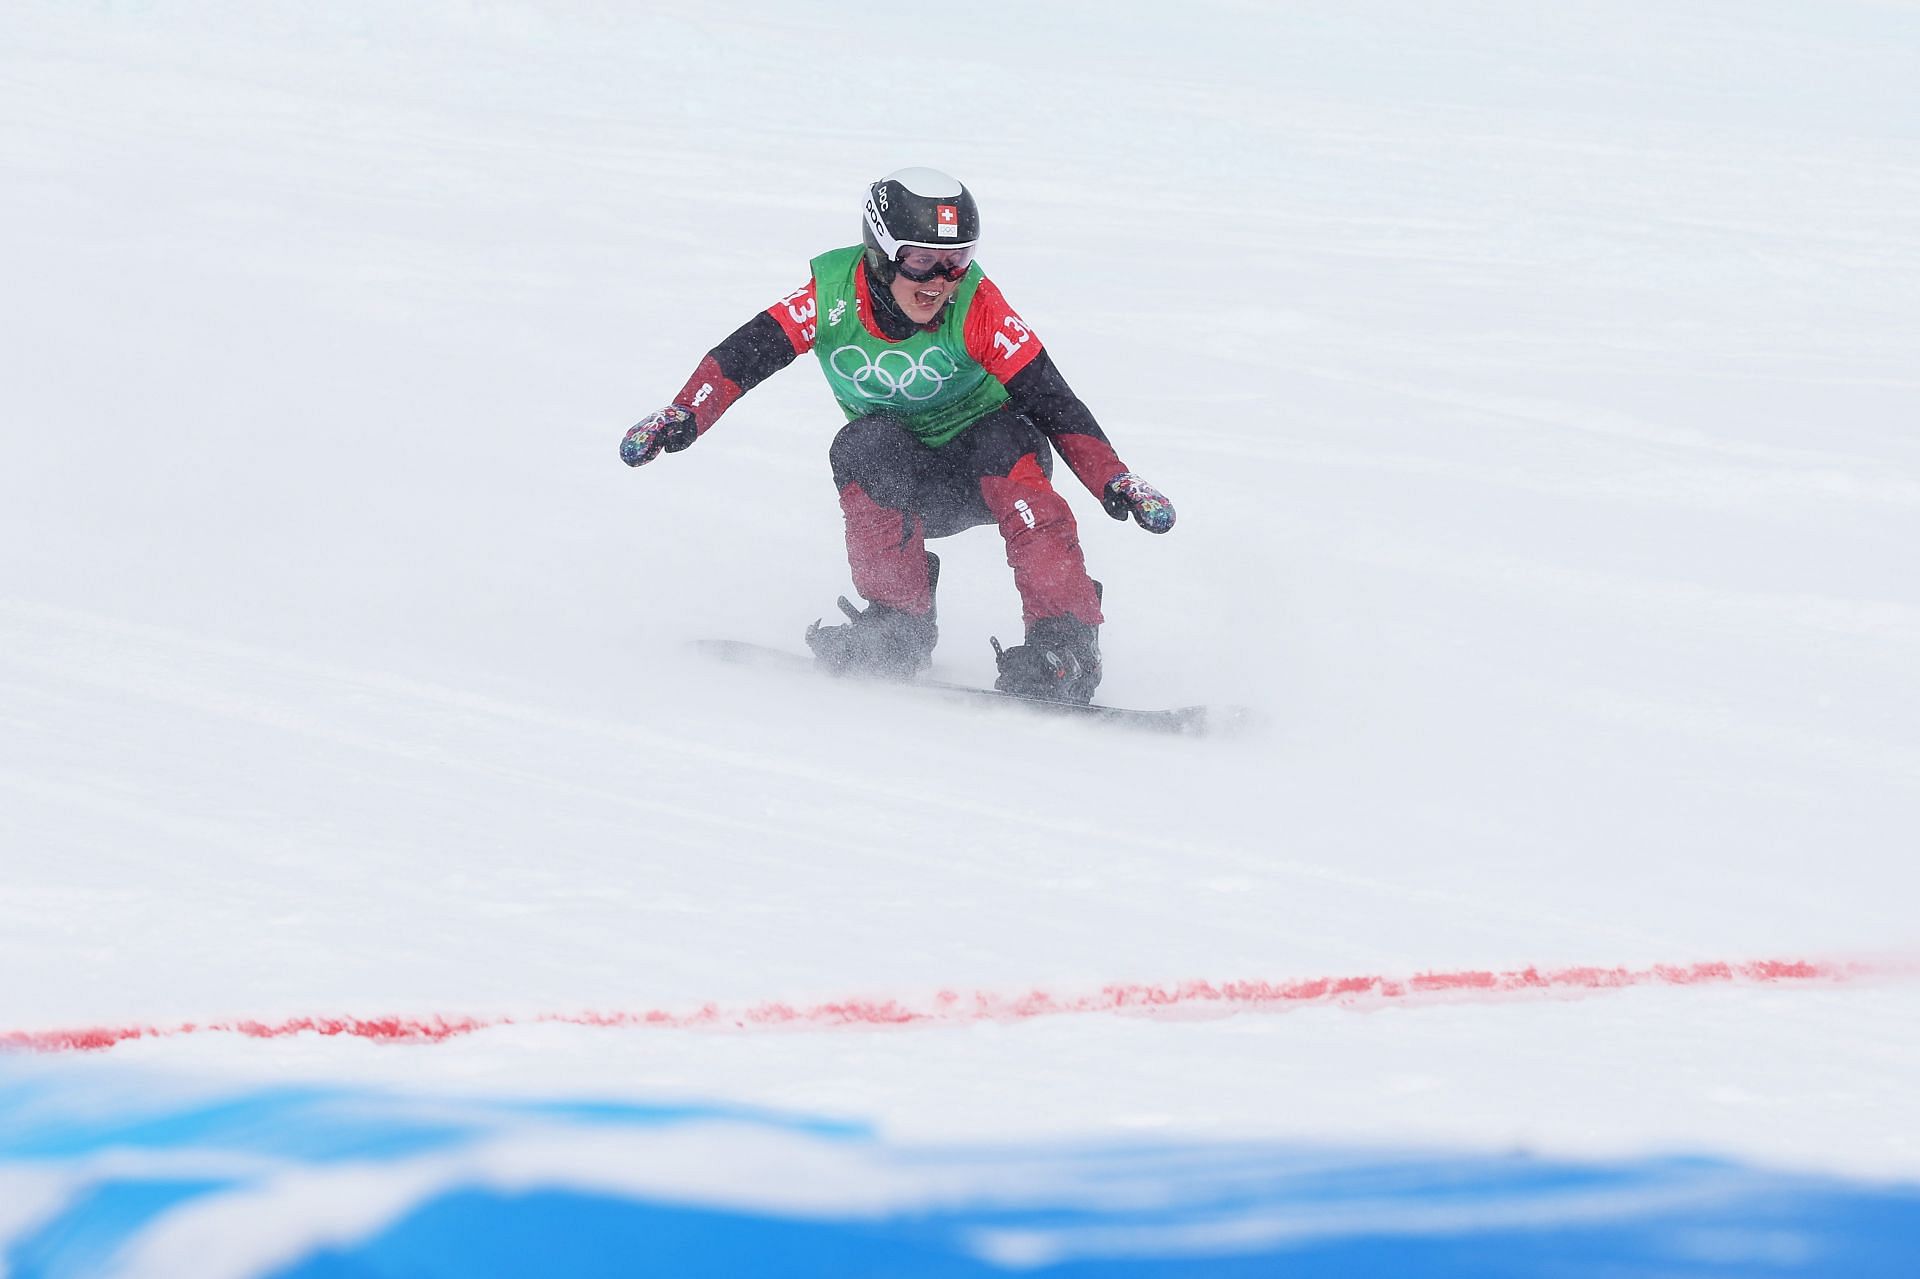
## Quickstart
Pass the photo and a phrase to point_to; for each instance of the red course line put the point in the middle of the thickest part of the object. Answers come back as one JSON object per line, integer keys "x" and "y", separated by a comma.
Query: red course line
{"x": 954, "y": 1007}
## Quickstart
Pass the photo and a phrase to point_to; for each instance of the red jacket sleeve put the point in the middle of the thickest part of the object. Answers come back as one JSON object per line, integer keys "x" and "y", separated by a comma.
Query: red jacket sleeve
{"x": 1007, "y": 348}
{"x": 996, "y": 337}
{"x": 797, "y": 315}
{"x": 750, "y": 355}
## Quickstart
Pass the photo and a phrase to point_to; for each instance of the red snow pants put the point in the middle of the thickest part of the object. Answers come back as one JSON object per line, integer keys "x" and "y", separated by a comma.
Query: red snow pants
{"x": 896, "y": 492}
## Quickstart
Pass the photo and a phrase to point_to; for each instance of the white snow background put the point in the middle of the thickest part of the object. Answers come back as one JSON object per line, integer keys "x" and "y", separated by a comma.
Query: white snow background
{"x": 1536, "y": 385}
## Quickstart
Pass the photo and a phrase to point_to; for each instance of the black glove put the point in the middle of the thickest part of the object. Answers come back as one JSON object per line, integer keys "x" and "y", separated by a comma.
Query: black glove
{"x": 1128, "y": 494}
{"x": 671, "y": 428}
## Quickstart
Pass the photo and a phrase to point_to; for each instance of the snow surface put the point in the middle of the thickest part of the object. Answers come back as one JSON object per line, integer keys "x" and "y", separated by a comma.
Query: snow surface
{"x": 1536, "y": 385}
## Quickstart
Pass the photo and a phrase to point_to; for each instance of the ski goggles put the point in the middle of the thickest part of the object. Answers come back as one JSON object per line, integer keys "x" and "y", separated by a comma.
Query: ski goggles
{"x": 921, "y": 264}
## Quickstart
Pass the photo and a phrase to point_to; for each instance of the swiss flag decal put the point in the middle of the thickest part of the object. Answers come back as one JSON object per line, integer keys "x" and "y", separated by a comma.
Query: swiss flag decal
{"x": 949, "y": 215}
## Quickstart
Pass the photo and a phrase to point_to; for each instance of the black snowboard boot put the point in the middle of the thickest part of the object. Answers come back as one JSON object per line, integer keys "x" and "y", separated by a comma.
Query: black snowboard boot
{"x": 1059, "y": 662}
{"x": 878, "y": 640}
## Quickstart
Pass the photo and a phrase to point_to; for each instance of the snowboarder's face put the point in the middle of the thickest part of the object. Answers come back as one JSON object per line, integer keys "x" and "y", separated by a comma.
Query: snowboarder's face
{"x": 922, "y": 301}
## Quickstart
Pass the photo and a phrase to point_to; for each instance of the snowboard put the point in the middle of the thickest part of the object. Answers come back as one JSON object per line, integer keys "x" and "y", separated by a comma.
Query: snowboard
{"x": 1193, "y": 721}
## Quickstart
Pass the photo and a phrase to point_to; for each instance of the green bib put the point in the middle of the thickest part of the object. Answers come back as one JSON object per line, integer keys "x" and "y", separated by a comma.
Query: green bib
{"x": 928, "y": 381}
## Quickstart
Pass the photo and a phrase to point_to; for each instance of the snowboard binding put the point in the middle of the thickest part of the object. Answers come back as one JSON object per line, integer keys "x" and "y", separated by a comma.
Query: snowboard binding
{"x": 1060, "y": 662}
{"x": 878, "y": 641}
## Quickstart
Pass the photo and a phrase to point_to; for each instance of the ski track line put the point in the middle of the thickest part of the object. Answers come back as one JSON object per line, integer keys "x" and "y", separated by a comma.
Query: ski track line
{"x": 948, "y": 1007}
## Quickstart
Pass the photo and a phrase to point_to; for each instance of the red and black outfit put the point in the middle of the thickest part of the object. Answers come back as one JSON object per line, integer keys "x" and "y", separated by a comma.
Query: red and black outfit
{"x": 896, "y": 491}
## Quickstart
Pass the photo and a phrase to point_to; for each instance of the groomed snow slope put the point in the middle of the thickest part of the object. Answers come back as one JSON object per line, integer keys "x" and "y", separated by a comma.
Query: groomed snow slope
{"x": 1536, "y": 386}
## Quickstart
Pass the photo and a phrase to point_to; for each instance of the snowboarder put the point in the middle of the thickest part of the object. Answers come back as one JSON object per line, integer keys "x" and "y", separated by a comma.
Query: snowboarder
{"x": 952, "y": 405}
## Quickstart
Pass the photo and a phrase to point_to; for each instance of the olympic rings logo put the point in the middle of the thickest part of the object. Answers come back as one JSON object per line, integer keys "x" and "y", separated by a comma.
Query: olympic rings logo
{"x": 895, "y": 373}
